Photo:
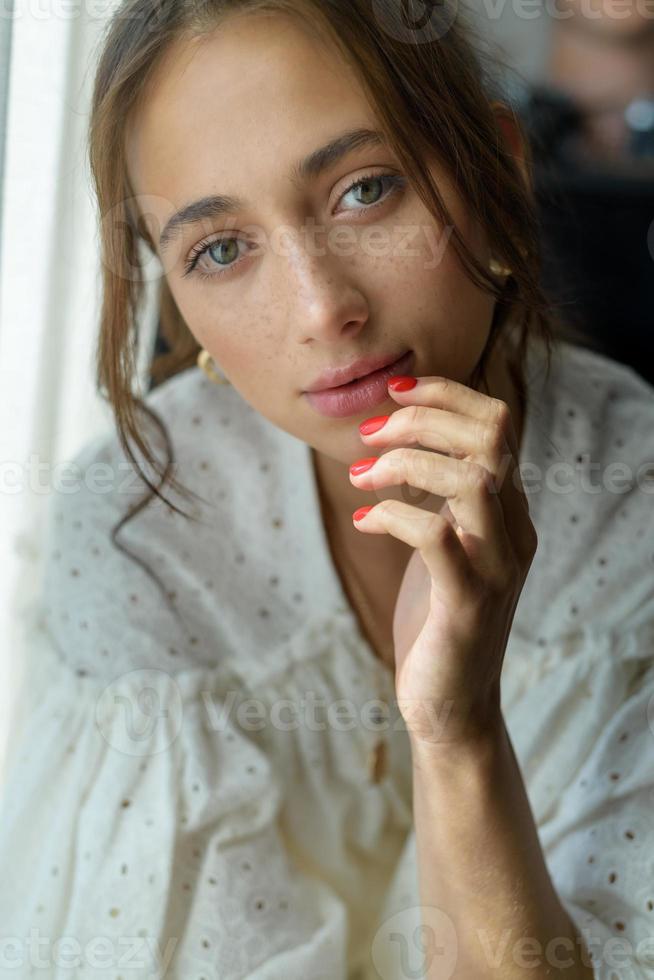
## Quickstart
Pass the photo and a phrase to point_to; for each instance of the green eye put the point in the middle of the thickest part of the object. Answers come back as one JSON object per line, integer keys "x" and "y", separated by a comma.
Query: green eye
{"x": 369, "y": 185}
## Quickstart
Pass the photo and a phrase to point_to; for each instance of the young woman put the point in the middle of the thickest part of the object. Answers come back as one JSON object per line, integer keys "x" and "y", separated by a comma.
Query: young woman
{"x": 383, "y": 720}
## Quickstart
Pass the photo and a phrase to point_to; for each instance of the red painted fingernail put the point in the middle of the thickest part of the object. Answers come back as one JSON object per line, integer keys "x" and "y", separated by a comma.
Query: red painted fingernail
{"x": 402, "y": 382}
{"x": 359, "y": 514}
{"x": 362, "y": 465}
{"x": 373, "y": 425}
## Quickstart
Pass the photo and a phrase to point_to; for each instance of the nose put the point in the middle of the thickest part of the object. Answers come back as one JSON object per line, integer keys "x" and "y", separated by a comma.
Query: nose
{"x": 328, "y": 304}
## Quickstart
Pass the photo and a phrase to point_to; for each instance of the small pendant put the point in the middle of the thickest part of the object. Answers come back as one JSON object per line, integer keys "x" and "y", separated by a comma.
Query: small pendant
{"x": 377, "y": 761}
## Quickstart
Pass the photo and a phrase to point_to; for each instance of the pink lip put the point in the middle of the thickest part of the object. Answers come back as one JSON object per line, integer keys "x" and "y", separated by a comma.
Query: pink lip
{"x": 358, "y": 369}
{"x": 359, "y": 395}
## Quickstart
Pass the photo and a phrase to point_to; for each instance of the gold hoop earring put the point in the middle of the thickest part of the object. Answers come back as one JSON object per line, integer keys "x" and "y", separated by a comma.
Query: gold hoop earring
{"x": 208, "y": 365}
{"x": 498, "y": 269}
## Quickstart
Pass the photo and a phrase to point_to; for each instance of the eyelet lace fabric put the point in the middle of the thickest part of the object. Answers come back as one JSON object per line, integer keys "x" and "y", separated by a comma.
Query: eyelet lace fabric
{"x": 187, "y": 792}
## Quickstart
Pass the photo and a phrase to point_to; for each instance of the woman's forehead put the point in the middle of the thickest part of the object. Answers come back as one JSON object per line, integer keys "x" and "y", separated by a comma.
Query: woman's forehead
{"x": 226, "y": 108}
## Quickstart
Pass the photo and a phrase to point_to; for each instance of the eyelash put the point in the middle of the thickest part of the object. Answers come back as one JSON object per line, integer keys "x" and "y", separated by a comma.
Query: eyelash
{"x": 394, "y": 181}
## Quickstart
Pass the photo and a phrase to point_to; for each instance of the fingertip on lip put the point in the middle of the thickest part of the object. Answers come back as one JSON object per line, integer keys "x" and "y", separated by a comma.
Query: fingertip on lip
{"x": 402, "y": 382}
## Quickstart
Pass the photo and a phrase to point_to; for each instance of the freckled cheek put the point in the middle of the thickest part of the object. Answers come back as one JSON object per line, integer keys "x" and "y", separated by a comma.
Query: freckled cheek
{"x": 242, "y": 344}
{"x": 239, "y": 360}
{"x": 252, "y": 363}
{"x": 424, "y": 284}
{"x": 197, "y": 313}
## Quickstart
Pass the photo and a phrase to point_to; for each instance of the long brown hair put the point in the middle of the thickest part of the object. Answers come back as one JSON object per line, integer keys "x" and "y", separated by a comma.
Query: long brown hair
{"x": 433, "y": 97}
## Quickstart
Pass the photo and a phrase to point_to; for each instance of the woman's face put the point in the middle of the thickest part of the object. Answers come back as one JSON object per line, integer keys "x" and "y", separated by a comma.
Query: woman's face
{"x": 310, "y": 276}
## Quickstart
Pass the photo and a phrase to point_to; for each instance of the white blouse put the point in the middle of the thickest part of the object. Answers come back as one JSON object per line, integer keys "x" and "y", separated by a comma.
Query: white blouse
{"x": 187, "y": 791}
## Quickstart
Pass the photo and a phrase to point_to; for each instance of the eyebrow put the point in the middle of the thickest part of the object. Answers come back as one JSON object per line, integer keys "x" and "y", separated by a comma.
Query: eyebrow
{"x": 309, "y": 168}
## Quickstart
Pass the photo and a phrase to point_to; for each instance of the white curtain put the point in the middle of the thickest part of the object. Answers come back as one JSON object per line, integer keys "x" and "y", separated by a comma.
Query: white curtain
{"x": 49, "y": 291}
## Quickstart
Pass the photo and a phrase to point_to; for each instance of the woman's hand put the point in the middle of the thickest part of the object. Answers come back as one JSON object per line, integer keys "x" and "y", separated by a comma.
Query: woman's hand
{"x": 461, "y": 586}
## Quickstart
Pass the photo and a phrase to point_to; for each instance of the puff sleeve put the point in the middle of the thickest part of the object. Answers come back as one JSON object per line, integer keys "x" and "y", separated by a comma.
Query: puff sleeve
{"x": 138, "y": 817}
{"x": 134, "y": 837}
{"x": 600, "y": 846}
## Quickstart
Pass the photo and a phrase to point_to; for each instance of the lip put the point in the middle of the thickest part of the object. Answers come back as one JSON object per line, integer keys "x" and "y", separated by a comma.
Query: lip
{"x": 362, "y": 393}
{"x": 338, "y": 377}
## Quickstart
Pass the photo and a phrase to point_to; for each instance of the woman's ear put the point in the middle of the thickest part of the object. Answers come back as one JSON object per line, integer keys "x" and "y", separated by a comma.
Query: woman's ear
{"x": 510, "y": 131}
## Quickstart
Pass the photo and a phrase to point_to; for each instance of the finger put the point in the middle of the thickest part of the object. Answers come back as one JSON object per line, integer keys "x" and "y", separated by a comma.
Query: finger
{"x": 471, "y": 497}
{"x": 464, "y": 402}
{"x": 450, "y": 433}
{"x": 434, "y": 536}
{"x": 498, "y": 447}
{"x": 454, "y": 396}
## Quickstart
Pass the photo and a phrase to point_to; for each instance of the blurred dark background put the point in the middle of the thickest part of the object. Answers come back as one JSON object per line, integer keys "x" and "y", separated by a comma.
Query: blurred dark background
{"x": 597, "y": 225}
